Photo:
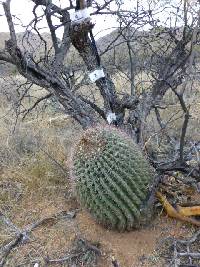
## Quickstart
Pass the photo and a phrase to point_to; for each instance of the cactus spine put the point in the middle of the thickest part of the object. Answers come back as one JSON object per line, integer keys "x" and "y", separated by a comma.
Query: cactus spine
{"x": 112, "y": 178}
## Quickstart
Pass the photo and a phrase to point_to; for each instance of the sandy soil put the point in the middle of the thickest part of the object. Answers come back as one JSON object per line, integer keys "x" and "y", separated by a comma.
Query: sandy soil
{"x": 135, "y": 248}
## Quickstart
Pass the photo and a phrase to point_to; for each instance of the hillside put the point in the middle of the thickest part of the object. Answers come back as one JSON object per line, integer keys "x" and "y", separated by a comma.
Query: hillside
{"x": 112, "y": 47}
{"x": 31, "y": 43}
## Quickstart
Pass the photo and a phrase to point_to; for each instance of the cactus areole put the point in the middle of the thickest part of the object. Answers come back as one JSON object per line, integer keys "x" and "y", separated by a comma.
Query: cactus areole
{"x": 112, "y": 178}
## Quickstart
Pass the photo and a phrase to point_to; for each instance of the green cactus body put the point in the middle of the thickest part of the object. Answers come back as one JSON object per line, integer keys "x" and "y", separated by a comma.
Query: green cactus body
{"x": 112, "y": 178}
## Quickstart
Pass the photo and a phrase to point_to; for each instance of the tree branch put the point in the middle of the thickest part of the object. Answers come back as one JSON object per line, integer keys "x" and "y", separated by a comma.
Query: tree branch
{"x": 6, "y": 6}
{"x": 185, "y": 122}
{"x": 52, "y": 30}
{"x": 39, "y": 100}
{"x": 22, "y": 235}
{"x": 95, "y": 107}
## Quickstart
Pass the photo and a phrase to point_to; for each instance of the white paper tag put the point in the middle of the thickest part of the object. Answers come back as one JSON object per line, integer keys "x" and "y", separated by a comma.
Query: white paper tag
{"x": 96, "y": 74}
{"x": 111, "y": 117}
{"x": 79, "y": 15}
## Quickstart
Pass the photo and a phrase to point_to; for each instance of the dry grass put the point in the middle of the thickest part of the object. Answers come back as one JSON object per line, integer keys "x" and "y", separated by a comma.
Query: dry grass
{"x": 34, "y": 183}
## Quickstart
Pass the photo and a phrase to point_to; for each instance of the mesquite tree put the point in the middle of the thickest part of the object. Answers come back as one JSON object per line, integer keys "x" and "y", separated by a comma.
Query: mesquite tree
{"x": 157, "y": 38}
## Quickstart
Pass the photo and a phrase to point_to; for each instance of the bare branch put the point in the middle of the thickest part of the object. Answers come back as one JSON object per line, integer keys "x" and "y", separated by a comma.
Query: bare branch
{"x": 185, "y": 123}
{"x": 27, "y": 111}
{"x": 95, "y": 107}
{"x": 182, "y": 250}
{"x": 6, "y": 6}
{"x": 22, "y": 235}
{"x": 62, "y": 260}
{"x": 54, "y": 7}
{"x": 52, "y": 30}
{"x": 4, "y": 56}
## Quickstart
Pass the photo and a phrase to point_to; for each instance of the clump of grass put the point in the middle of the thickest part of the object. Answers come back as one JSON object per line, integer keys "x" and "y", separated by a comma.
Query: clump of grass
{"x": 33, "y": 161}
{"x": 86, "y": 253}
{"x": 34, "y": 179}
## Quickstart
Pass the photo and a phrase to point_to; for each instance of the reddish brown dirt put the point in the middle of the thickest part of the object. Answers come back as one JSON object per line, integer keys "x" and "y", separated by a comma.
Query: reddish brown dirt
{"x": 130, "y": 249}
{"x": 135, "y": 248}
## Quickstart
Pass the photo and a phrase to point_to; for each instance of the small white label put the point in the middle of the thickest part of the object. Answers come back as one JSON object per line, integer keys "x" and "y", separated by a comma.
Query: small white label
{"x": 96, "y": 74}
{"x": 111, "y": 117}
{"x": 79, "y": 15}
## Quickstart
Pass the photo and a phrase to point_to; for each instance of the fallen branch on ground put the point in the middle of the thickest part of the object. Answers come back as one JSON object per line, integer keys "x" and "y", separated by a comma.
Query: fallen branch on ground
{"x": 182, "y": 250}
{"x": 83, "y": 253}
{"x": 21, "y": 236}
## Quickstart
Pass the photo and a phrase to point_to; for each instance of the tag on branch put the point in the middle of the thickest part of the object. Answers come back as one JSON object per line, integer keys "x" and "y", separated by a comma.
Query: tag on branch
{"x": 79, "y": 15}
{"x": 111, "y": 117}
{"x": 96, "y": 74}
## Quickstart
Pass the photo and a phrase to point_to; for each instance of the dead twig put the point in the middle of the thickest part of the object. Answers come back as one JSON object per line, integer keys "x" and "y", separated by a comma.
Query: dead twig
{"x": 115, "y": 263}
{"x": 90, "y": 246}
{"x": 22, "y": 235}
{"x": 83, "y": 253}
{"x": 61, "y": 260}
{"x": 8, "y": 248}
{"x": 65, "y": 171}
{"x": 182, "y": 250}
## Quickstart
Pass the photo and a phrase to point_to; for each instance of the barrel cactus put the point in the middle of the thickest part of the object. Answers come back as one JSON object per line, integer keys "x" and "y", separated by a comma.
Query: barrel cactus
{"x": 112, "y": 178}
